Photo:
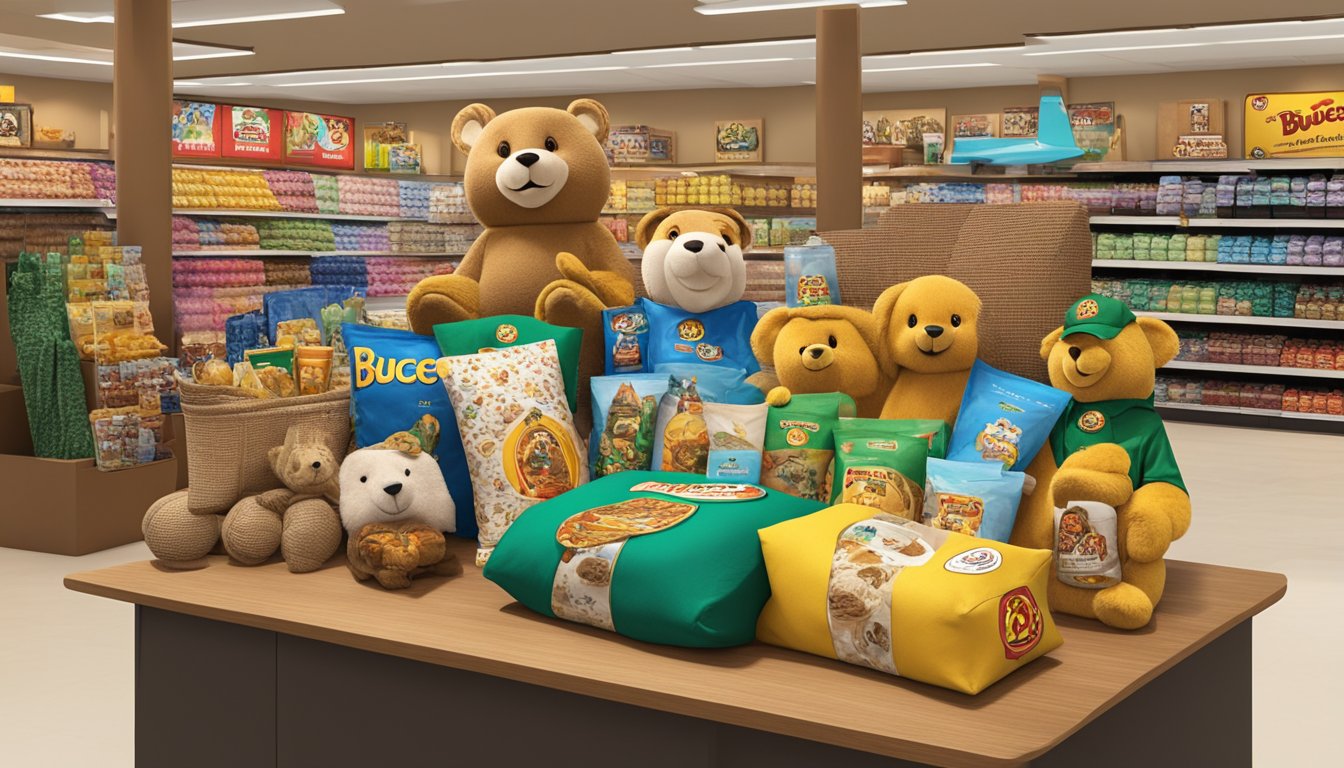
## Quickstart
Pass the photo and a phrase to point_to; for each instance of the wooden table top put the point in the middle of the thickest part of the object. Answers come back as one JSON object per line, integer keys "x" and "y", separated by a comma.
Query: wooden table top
{"x": 468, "y": 623}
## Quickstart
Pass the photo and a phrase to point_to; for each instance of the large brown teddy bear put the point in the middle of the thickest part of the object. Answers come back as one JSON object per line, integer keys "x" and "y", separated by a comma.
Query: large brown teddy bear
{"x": 537, "y": 178}
{"x": 822, "y": 348}
{"x": 1110, "y": 446}
{"x": 929, "y": 330}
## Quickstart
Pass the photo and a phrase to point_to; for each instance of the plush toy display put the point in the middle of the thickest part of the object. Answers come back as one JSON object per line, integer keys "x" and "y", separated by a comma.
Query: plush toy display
{"x": 297, "y": 520}
{"x": 1111, "y": 447}
{"x": 693, "y": 257}
{"x": 537, "y": 178}
{"x": 929, "y": 332}
{"x": 822, "y": 348}
{"x": 396, "y": 508}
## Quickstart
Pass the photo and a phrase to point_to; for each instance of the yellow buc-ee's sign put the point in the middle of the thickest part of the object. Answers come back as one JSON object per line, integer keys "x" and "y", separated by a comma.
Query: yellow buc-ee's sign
{"x": 1295, "y": 124}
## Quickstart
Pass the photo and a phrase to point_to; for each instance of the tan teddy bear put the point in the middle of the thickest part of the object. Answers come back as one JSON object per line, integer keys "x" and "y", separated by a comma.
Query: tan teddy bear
{"x": 296, "y": 520}
{"x": 823, "y": 348}
{"x": 537, "y": 178}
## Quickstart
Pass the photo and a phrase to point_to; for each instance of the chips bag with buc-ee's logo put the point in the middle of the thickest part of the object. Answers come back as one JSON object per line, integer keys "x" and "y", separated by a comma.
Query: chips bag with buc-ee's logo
{"x": 394, "y": 384}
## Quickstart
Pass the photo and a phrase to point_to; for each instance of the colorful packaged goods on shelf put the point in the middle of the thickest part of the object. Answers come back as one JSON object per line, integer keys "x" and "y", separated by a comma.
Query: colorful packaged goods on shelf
{"x": 362, "y": 237}
{"x": 804, "y": 192}
{"x": 362, "y": 196}
{"x": 351, "y": 271}
{"x": 293, "y": 189}
{"x": 876, "y": 196}
{"x": 191, "y": 234}
{"x": 416, "y": 237}
{"x": 222, "y": 189}
{"x": 639, "y": 196}
{"x": 1250, "y": 395}
{"x": 414, "y": 198}
{"x": 1317, "y": 401}
{"x": 327, "y": 191}
{"x": 448, "y": 204}
{"x": 46, "y": 232}
{"x": 616, "y": 197}
{"x": 296, "y": 235}
{"x": 46, "y": 180}
{"x": 104, "y": 177}
{"x": 396, "y": 276}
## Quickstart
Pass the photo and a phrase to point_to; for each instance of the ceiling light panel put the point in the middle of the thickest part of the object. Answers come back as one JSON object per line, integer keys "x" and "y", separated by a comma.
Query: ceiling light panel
{"x": 208, "y": 13}
{"x": 720, "y": 7}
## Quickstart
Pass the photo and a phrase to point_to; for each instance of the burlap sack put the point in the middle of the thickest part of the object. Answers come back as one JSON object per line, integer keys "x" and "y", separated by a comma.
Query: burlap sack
{"x": 229, "y": 434}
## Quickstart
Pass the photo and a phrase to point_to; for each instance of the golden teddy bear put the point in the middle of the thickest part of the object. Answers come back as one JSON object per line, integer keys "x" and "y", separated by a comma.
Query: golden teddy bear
{"x": 1110, "y": 446}
{"x": 821, "y": 348}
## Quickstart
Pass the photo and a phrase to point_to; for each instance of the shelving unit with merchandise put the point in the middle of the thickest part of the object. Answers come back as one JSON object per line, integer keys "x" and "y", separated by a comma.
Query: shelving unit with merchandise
{"x": 1244, "y": 258}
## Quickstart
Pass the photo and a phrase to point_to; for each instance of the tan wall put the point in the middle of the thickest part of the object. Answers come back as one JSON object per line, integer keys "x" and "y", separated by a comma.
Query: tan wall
{"x": 790, "y": 131}
{"x": 74, "y": 105}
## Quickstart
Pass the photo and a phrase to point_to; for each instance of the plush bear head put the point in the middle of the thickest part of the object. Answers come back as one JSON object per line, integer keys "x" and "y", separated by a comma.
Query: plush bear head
{"x": 928, "y": 325}
{"x": 823, "y": 348}
{"x": 1103, "y": 352}
{"x": 693, "y": 257}
{"x": 305, "y": 464}
{"x": 380, "y": 484}
{"x": 535, "y": 165}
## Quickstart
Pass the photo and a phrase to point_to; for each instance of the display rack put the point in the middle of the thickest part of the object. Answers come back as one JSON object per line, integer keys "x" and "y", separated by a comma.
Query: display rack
{"x": 261, "y": 254}
{"x": 1260, "y": 370}
{"x": 260, "y": 214}
{"x": 1212, "y": 223}
{"x": 1273, "y": 322}
{"x": 1214, "y": 266}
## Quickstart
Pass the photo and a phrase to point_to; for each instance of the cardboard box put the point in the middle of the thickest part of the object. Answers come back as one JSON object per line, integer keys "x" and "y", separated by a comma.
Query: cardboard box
{"x": 68, "y": 507}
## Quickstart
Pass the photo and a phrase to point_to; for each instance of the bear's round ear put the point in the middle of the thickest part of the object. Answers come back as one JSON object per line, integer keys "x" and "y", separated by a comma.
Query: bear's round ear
{"x": 469, "y": 124}
{"x": 744, "y": 233}
{"x": 593, "y": 116}
{"x": 1164, "y": 341}
{"x": 767, "y": 332}
{"x": 882, "y": 311}
{"x": 650, "y": 223}
{"x": 1049, "y": 342}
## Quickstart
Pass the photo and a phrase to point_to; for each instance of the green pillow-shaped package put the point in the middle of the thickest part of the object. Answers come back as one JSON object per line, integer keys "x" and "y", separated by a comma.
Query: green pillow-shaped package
{"x": 471, "y": 336}
{"x": 662, "y": 557}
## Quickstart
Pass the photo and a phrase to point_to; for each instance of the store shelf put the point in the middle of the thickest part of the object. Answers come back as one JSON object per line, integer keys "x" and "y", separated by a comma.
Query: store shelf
{"x": 1250, "y": 411}
{"x": 104, "y": 207}
{"x": 1212, "y": 166}
{"x": 380, "y": 303}
{"x": 1268, "y": 322}
{"x": 249, "y": 213}
{"x": 1213, "y": 266}
{"x": 45, "y": 153}
{"x": 247, "y": 164}
{"x": 263, "y": 253}
{"x": 1264, "y": 370}
{"x": 1177, "y": 221}
{"x": 806, "y": 170}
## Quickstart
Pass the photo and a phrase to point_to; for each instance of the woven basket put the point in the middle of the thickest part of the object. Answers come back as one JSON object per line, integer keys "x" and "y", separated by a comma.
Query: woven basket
{"x": 229, "y": 434}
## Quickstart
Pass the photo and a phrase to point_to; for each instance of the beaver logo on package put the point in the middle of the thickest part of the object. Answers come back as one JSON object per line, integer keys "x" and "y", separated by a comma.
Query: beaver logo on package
{"x": 1020, "y": 623}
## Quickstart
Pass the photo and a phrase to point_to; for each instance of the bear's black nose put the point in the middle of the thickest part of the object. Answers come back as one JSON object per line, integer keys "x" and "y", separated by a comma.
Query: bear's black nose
{"x": 393, "y": 489}
{"x": 1075, "y": 352}
{"x": 526, "y": 159}
{"x": 693, "y": 246}
{"x": 934, "y": 331}
{"x": 317, "y": 465}
{"x": 816, "y": 352}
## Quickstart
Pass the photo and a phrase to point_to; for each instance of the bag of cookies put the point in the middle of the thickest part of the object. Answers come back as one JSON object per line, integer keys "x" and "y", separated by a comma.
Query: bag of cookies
{"x": 1004, "y": 418}
{"x": 736, "y": 437}
{"x": 681, "y": 438}
{"x": 800, "y": 446}
{"x": 1087, "y": 550}
{"x": 394, "y": 382}
{"x": 517, "y": 432}
{"x": 656, "y": 556}
{"x": 879, "y": 466}
{"x": 972, "y": 497}
{"x": 625, "y": 408}
{"x": 499, "y": 331}
{"x": 868, "y": 588}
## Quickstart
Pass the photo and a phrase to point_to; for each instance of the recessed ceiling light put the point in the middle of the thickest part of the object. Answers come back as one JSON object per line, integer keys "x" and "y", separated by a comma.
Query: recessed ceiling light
{"x": 719, "y": 63}
{"x": 1187, "y": 29}
{"x": 717, "y": 7}
{"x": 968, "y": 65}
{"x": 225, "y": 54}
{"x": 79, "y": 17}
{"x": 948, "y": 52}
{"x": 761, "y": 43}
{"x": 676, "y": 49}
{"x": 448, "y": 77}
{"x": 207, "y": 13}
{"x": 1199, "y": 44}
{"x": 60, "y": 59}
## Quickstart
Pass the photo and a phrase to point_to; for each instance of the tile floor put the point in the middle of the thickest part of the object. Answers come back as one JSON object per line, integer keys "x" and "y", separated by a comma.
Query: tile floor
{"x": 66, "y": 659}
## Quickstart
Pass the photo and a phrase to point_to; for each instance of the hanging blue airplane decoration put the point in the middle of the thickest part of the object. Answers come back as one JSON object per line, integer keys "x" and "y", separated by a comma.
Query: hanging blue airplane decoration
{"x": 1054, "y": 141}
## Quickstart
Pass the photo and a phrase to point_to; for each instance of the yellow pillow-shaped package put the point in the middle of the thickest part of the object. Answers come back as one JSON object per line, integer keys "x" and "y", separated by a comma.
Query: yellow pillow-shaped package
{"x": 869, "y": 588}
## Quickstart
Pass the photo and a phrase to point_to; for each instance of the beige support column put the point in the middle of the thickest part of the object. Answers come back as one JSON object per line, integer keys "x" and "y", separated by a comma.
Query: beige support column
{"x": 142, "y": 108}
{"x": 839, "y": 119}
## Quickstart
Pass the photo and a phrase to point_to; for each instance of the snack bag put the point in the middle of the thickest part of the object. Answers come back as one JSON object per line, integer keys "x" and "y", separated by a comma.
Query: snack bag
{"x": 879, "y": 591}
{"x": 471, "y": 336}
{"x": 879, "y": 467}
{"x": 655, "y": 556}
{"x": 800, "y": 446}
{"x": 516, "y": 430}
{"x": 718, "y": 337}
{"x": 736, "y": 439}
{"x": 244, "y": 332}
{"x": 1087, "y": 552}
{"x": 301, "y": 331}
{"x": 972, "y": 497}
{"x": 1004, "y": 418}
{"x": 394, "y": 381}
{"x": 625, "y": 409}
{"x": 275, "y": 369}
{"x": 680, "y": 438}
{"x": 935, "y": 431}
{"x": 625, "y": 336}
{"x": 312, "y": 365}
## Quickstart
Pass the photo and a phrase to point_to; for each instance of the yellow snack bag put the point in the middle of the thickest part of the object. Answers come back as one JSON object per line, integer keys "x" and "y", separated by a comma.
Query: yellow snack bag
{"x": 869, "y": 588}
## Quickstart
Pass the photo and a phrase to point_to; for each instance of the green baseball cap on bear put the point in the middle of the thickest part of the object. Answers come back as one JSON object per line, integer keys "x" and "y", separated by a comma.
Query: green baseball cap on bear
{"x": 1098, "y": 316}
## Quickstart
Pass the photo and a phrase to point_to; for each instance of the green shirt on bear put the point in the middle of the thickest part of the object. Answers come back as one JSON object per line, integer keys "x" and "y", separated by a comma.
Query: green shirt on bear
{"x": 1133, "y": 425}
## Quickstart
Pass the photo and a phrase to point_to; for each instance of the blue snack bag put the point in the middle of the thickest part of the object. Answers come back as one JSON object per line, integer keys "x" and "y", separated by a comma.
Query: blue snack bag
{"x": 395, "y": 387}
{"x": 1004, "y": 418}
{"x": 625, "y": 333}
{"x": 244, "y": 332}
{"x": 624, "y": 410}
{"x": 976, "y": 498}
{"x": 301, "y": 302}
{"x": 720, "y": 337}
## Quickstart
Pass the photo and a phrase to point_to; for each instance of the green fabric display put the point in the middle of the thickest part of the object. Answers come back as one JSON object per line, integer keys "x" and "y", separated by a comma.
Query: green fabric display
{"x": 471, "y": 336}
{"x": 53, "y": 387}
{"x": 690, "y": 573}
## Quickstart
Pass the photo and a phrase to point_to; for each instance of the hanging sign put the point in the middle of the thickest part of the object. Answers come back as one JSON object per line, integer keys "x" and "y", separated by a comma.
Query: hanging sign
{"x": 252, "y": 132}
{"x": 321, "y": 140}
{"x": 196, "y": 129}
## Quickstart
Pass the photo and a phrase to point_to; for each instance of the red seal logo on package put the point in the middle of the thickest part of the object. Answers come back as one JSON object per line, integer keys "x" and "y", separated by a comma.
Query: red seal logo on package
{"x": 507, "y": 334}
{"x": 1088, "y": 310}
{"x": 691, "y": 330}
{"x": 1259, "y": 103}
{"x": 1020, "y": 623}
{"x": 1091, "y": 422}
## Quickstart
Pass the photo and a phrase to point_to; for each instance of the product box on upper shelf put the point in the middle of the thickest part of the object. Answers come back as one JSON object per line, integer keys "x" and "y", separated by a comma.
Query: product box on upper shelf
{"x": 1294, "y": 124}
{"x": 640, "y": 144}
{"x": 1191, "y": 129}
